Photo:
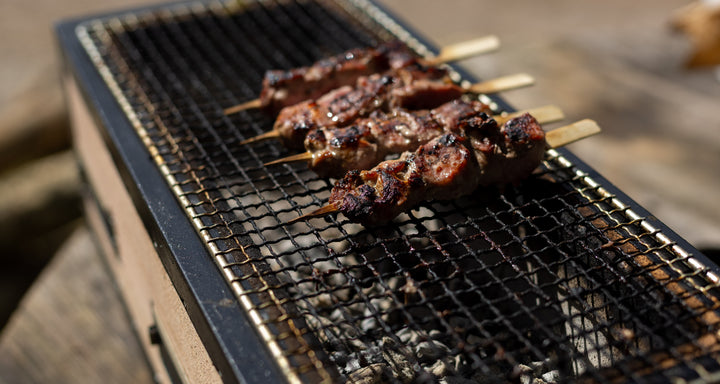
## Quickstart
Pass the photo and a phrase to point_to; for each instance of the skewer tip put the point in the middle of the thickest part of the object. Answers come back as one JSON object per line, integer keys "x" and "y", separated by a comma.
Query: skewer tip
{"x": 320, "y": 212}
{"x": 252, "y": 104}
{"x": 305, "y": 156}
{"x": 501, "y": 84}
{"x": 544, "y": 115}
{"x": 265, "y": 136}
{"x": 568, "y": 134}
{"x": 466, "y": 49}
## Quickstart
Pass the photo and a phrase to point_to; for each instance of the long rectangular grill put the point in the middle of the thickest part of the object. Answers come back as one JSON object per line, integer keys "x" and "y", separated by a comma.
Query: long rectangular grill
{"x": 554, "y": 280}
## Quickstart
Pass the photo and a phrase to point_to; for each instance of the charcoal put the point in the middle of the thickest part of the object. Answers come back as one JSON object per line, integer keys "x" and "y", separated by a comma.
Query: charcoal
{"x": 372, "y": 374}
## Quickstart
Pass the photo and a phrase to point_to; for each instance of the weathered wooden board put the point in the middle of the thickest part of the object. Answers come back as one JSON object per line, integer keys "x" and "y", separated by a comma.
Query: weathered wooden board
{"x": 71, "y": 327}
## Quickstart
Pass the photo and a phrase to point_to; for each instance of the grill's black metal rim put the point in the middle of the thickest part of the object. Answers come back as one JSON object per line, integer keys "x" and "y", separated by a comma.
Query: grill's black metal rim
{"x": 672, "y": 236}
{"x": 236, "y": 350}
{"x": 178, "y": 242}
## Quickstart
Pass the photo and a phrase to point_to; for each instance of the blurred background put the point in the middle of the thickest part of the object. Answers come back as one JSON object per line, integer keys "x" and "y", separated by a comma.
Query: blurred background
{"x": 642, "y": 69}
{"x": 39, "y": 184}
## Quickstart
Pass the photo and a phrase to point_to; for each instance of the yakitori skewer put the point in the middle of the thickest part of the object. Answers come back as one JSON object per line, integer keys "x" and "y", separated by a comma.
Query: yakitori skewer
{"x": 410, "y": 89}
{"x": 281, "y": 88}
{"x": 448, "y": 167}
{"x": 333, "y": 151}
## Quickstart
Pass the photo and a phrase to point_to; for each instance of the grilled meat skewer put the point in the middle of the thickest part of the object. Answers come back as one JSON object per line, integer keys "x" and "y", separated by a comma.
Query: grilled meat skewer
{"x": 408, "y": 88}
{"x": 281, "y": 88}
{"x": 284, "y": 88}
{"x": 363, "y": 144}
{"x": 333, "y": 151}
{"x": 448, "y": 167}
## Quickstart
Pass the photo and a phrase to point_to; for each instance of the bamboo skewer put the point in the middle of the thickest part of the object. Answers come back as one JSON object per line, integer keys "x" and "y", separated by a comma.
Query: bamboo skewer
{"x": 265, "y": 136}
{"x": 450, "y": 53}
{"x": 544, "y": 115}
{"x": 569, "y": 134}
{"x": 465, "y": 49}
{"x": 556, "y": 138}
{"x": 498, "y": 85}
{"x": 323, "y": 211}
{"x": 505, "y": 83}
{"x": 252, "y": 104}
{"x": 304, "y": 156}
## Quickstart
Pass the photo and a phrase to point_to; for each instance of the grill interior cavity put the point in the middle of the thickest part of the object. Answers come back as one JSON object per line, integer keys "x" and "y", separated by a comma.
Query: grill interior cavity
{"x": 554, "y": 280}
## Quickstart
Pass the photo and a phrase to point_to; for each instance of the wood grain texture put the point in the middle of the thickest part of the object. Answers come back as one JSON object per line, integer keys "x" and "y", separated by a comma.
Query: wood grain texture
{"x": 71, "y": 326}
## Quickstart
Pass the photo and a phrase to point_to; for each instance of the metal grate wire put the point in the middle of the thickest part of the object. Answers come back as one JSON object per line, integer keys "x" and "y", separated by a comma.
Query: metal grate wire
{"x": 554, "y": 280}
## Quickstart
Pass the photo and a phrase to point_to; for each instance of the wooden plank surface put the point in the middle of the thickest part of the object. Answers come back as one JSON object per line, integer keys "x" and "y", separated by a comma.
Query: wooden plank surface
{"x": 71, "y": 326}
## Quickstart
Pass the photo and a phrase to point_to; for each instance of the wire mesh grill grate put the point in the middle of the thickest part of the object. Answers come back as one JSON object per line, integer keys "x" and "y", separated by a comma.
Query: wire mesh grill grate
{"x": 550, "y": 281}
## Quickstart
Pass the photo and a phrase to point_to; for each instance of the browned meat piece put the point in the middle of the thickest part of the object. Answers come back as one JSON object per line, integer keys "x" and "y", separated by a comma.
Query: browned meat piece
{"x": 513, "y": 155}
{"x": 281, "y": 88}
{"x": 293, "y": 123}
{"x": 394, "y": 186}
{"x": 368, "y": 141}
{"x": 449, "y": 166}
{"x": 415, "y": 87}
